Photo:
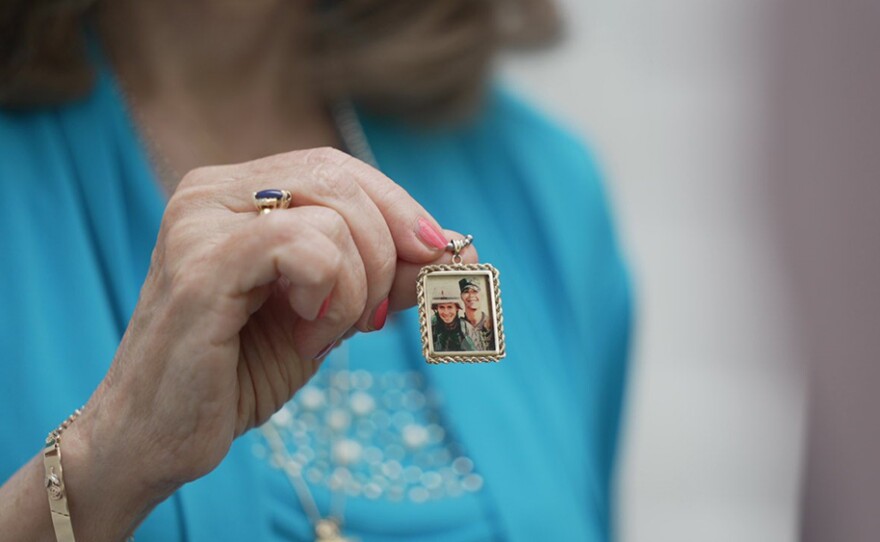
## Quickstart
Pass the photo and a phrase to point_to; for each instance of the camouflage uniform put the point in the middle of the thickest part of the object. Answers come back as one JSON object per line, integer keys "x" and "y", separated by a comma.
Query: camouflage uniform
{"x": 481, "y": 334}
{"x": 451, "y": 339}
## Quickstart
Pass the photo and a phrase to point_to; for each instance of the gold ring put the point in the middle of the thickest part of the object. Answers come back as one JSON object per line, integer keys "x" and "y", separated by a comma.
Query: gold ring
{"x": 267, "y": 201}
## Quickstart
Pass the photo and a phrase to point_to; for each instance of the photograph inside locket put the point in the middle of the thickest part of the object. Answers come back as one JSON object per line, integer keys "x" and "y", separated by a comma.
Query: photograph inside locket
{"x": 461, "y": 316}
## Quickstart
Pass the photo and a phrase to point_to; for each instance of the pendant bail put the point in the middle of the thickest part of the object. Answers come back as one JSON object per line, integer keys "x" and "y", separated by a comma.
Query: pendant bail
{"x": 457, "y": 245}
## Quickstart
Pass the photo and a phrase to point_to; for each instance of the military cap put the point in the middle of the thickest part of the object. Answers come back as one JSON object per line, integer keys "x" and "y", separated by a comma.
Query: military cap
{"x": 440, "y": 296}
{"x": 466, "y": 283}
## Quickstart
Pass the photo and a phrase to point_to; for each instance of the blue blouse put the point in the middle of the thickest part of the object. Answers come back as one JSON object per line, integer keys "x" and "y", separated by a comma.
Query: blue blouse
{"x": 79, "y": 214}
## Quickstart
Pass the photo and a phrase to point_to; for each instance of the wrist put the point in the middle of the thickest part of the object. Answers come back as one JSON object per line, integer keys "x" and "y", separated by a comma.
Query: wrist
{"x": 108, "y": 491}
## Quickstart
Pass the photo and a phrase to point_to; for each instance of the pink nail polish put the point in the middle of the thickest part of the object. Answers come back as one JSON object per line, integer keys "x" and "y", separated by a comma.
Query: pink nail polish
{"x": 326, "y": 350}
{"x": 430, "y": 235}
{"x": 380, "y": 316}
{"x": 324, "y": 307}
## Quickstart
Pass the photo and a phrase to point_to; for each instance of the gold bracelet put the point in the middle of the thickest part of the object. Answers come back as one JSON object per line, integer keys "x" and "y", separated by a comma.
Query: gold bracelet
{"x": 55, "y": 482}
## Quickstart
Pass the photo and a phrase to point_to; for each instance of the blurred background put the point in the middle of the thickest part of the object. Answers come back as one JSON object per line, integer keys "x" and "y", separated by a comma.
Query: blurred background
{"x": 673, "y": 97}
{"x": 724, "y": 129}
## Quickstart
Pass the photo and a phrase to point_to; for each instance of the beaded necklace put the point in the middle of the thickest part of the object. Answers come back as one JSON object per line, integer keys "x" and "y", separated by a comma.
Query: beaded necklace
{"x": 360, "y": 434}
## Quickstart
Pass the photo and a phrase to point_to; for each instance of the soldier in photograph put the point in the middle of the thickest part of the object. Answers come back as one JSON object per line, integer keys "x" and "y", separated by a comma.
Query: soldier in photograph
{"x": 449, "y": 330}
{"x": 479, "y": 324}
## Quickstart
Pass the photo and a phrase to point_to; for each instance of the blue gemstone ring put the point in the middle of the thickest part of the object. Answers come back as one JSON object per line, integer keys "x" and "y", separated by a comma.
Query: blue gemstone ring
{"x": 267, "y": 201}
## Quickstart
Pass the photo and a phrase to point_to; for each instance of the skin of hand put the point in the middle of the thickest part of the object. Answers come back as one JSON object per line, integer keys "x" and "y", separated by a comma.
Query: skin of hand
{"x": 227, "y": 326}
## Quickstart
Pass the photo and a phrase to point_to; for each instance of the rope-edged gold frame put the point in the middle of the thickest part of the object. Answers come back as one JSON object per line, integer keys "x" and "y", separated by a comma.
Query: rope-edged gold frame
{"x": 494, "y": 303}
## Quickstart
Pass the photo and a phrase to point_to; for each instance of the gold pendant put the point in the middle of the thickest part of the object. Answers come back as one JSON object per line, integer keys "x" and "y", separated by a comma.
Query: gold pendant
{"x": 327, "y": 530}
{"x": 460, "y": 312}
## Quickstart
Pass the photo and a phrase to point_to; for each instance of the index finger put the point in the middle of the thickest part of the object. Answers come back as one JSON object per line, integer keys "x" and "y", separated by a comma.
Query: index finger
{"x": 417, "y": 236}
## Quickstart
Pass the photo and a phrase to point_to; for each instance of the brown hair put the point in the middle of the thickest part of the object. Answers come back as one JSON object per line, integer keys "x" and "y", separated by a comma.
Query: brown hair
{"x": 398, "y": 57}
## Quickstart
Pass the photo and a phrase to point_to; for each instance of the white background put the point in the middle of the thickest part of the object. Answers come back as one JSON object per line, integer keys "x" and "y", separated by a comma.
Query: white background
{"x": 671, "y": 96}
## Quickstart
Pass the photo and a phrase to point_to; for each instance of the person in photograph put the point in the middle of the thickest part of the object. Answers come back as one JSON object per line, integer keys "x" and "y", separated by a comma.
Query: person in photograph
{"x": 478, "y": 325}
{"x": 449, "y": 330}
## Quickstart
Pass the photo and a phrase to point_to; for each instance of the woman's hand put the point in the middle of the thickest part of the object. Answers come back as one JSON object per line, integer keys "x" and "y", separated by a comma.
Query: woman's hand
{"x": 234, "y": 316}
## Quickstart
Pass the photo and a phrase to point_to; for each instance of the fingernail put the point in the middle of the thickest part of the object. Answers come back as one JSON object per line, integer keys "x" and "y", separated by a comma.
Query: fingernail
{"x": 324, "y": 307}
{"x": 380, "y": 315}
{"x": 430, "y": 235}
{"x": 326, "y": 350}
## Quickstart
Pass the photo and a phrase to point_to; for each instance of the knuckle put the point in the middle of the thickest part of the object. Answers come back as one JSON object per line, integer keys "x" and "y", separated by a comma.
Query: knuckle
{"x": 187, "y": 283}
{"x": 181, "y": 231}
{"x": 359, "y": 298}
{"x": 386, "y": 263}
{"x": 397, "y": 201}
{"x": 325, "y": 266}
{"x": 361, "y": 287}
{"x": 279, "y": 230}
{"x": 333, "y": 183}
{"x": 186, "y": 201}
{"x": 328, "y": 155}
{"x": 176, "y": 209}
{"x": 321, "y": 261}
{"x": 392, "y": 192}
{"x": 353, "y": 310}
{"x": 174, "y": 238}
{"x": 351, "y": 307}
{"x": 196, "y": 177}
{"x": 331, "y": 223}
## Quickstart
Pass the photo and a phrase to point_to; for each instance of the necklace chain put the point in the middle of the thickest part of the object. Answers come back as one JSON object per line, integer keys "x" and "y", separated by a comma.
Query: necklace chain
{"x": 166, "y": 175}
{"x": 351, "y": 131}
{"x": 327, "y": 529}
